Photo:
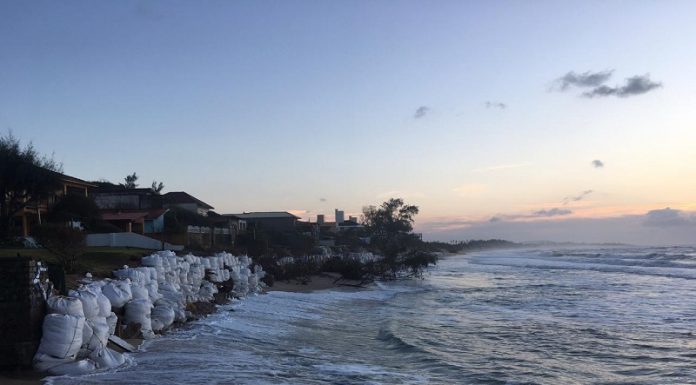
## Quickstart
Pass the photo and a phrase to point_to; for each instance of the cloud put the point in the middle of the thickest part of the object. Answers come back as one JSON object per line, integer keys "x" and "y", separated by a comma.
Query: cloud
{"x": 322, "y": 199}
{"x": 635, "y": 85}
{"x": 668, "y": 217}
{"x": 597, "y": 163}
{"x": 663, "y": 228}
{"x": 468, "y": 189}
{"x": 421, "y": 112}
{"x": 577, "y": 198}
{"x": 554, "y": 212}
{"x": 498, "y": 105}
{"x": 585, "y": 79}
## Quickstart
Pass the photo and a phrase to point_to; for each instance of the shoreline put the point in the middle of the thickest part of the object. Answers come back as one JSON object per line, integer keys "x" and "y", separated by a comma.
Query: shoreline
{"x": 318, "y": 282}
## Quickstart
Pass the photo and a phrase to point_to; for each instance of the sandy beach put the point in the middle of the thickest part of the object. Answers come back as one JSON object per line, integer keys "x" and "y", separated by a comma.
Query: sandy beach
{"x": 323, "y": 281}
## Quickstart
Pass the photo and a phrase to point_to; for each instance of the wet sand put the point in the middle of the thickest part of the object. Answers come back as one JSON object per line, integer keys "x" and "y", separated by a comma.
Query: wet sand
{"x": 323, "y": 281}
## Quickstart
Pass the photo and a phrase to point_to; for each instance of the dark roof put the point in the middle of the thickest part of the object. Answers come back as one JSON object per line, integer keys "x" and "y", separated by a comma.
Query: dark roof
{"x": 117, "y": 189}
{"x": 175, "y": 197}
{"x": 264, "y": 215}
{"x": 71, "y": 179}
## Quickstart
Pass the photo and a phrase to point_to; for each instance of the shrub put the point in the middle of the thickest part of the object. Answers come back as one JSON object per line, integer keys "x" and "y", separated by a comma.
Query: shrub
{"x": 66, "y": 243}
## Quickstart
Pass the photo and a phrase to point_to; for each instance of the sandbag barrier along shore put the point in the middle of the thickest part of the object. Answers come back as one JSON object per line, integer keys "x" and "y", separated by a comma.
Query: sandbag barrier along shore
{"x": 145, "y": 300}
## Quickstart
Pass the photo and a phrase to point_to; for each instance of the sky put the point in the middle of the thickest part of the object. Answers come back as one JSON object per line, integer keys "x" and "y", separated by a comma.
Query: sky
{"x": 539, "y": 120}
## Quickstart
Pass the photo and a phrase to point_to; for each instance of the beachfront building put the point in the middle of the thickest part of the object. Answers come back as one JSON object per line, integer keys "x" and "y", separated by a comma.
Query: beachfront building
{"x": 269, "y": 220}
{"x": 34, "y": 211}
{"x": 185, "y": 201}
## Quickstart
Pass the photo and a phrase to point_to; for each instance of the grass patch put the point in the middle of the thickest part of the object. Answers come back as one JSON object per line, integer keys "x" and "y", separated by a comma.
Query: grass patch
{"x": 99, "y": 261}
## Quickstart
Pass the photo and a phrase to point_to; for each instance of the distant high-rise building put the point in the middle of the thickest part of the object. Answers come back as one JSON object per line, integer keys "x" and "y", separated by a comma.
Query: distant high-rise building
{"x": 340, "y": 218}
{"x": 353, "y": 219}
{"x": 320, "y": 219}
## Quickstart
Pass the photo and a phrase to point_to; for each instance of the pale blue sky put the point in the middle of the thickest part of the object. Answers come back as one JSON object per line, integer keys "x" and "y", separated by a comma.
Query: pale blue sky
{"x": 274, "y": 105}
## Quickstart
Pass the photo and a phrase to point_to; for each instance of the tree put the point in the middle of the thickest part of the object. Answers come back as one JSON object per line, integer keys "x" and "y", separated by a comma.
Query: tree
{"x": 25, "y": 177}
{"x": 75, "y": 207}
{"x": 130, "y": 181}
{"x": 66, "y": 243}
{"x": 157, "y": 187}
{"x": 390, "y": 228}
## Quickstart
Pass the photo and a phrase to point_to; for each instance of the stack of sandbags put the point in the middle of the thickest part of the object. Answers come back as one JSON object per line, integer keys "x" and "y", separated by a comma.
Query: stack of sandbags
{"x": 62, "y": 338}
{"x": 139, "y": 311}
{"x": 162, "y": 315}
{"x": 99, "y": 325}
{"x": 118, "y": 292}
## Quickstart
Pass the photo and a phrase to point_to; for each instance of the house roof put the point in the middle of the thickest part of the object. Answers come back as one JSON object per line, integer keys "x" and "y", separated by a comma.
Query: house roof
{"x": 72, "y": 179}
{"x": 117, "y": 189}
{"x": 178, "y": 197}
{"x": 264, "y": 215}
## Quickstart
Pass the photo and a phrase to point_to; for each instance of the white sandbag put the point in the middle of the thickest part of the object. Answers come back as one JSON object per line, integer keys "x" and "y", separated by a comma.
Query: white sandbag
{"x": 62, "y": 335}
{"x": 112, "y": 320}
{"x": 87, "y": 333}
{"x": 139, "y": 291}
{"x": 118, "y": 293}
{"x": 43, "y": 362}
{"x": 134, "y": 275}
{"x": 106, "y": 358}
{"x": 73, "y": 368}
{"x": 104, "y": 305}
{"x": 100, "y": 333}
{"x": 153, "y": 291}
{"x": 59, "y": 304}
{"x": 153, "y": 260}
{"x": 90, "y": 305}
{"x": 139, "y": 311}
{"x": 162, "y": 316}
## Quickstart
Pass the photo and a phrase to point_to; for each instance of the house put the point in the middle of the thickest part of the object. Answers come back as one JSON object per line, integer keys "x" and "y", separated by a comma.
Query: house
{"x": 185, "y": 201}
{"x": 31, "y": 214}
{"x": 136, "y": 221}
{"x": 115, "y": 197}
{"x": 269, "y": 220}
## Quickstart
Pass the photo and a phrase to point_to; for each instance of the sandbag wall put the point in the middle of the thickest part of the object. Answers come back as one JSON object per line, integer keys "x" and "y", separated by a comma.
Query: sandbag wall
{"x": 152, "y": 297}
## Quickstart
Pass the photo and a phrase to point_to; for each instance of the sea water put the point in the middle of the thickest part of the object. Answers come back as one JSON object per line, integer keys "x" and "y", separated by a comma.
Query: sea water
{"x": 564, "y": 316}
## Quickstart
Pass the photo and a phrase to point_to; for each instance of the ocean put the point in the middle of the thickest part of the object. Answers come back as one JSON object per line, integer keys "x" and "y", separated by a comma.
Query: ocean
{"x": 562, "y": 316}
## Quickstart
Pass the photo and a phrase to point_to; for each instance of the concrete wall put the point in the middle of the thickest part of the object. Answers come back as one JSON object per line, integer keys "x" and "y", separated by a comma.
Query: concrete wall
{"x": 128, "y": 240}
{"x": 22, "y": 308}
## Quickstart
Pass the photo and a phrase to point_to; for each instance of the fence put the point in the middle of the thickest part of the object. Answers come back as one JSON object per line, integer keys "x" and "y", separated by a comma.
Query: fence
{"x": 129, "y": 240}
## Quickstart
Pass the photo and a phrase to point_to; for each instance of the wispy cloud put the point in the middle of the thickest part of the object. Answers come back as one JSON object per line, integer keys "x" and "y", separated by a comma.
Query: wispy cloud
{"x": 322, "y": 199}
{"x": 656, "y": 227}
{"x": 585, "y": 79}
{"x": 499, "y": 167}
{"x": 577, "y": 198}
{"x": 635, "y": 85}
{"x": 468, "y": 189}
{"x": 421, "y": 112}
{"x": 668, "y": 217}
{"x": 554, "y": 212}
{"x": 597, "y": 163}
{"x": 496, "y": 105}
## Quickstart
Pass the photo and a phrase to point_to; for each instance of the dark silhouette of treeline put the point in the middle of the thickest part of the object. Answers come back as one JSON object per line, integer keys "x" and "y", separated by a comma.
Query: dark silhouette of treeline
{"x": 472, "y": 245}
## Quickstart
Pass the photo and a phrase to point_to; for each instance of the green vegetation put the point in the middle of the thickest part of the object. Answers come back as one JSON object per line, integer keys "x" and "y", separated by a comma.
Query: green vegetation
{"x": 65, "y": 243}
{"x": 390, "y": 227}
{"x": 99, "y": 261}
{"x": 25, "y": 176}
